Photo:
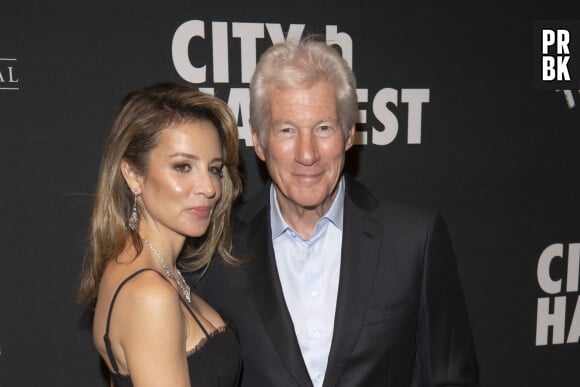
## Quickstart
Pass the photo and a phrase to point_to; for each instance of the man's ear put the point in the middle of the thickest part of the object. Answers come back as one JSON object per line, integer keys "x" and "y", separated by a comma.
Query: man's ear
{"x": 349, "y": 139}
{"x": 133, "y": 179}
{"x": 258, "y": 146}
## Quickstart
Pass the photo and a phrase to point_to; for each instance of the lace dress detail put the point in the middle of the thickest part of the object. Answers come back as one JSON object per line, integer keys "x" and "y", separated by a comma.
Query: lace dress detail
{"x": 208, "y": 337}
{"x": 213, "y": 362}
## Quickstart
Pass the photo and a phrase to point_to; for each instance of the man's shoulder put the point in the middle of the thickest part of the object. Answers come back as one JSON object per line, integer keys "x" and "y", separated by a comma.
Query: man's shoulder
{"x": 376, "y": 201}
{"x": 400, "y": 218}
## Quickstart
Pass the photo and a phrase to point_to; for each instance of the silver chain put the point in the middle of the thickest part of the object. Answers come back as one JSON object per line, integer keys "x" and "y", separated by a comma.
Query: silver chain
{"x": 179, "y": 280}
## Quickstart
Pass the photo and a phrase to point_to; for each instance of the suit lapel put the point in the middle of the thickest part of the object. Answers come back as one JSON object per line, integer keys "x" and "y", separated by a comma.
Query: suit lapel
{"x": 265, "y": 285}
{"x": 360, "y": 244}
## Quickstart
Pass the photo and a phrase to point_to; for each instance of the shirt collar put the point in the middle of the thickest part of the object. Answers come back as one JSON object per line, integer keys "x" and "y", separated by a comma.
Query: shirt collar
{"x": 334, "y": 213}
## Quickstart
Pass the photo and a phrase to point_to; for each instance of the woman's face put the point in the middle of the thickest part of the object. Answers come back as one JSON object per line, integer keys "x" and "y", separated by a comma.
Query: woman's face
{"x": 183, "y": 180}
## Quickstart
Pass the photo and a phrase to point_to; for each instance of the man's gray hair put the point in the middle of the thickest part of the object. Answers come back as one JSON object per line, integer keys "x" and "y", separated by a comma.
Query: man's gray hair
{"x": 294, "y": 65}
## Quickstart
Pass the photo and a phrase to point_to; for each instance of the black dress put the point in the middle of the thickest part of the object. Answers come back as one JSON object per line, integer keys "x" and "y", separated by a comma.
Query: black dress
{"x": 215, "y": 362}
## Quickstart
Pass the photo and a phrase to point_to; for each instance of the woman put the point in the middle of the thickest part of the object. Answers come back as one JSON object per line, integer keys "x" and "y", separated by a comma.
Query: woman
{"x": 167, "y": 181}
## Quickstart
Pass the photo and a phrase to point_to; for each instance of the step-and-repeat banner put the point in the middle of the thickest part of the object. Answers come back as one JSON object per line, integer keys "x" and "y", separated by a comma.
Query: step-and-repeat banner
{"x": 469, "y": 108}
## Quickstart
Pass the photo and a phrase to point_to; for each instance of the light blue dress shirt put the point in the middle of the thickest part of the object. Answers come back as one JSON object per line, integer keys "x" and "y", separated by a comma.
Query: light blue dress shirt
{"x": 309, "y": 272}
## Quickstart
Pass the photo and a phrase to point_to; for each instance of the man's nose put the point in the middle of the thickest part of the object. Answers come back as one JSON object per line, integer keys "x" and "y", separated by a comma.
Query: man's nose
{"x": 306, "y": 148}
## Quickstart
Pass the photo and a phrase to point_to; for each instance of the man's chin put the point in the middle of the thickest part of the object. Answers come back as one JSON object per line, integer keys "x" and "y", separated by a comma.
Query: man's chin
{"x": 312, "y": 202}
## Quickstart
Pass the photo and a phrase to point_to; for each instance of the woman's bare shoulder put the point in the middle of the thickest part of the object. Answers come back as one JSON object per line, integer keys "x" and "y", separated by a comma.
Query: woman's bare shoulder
{"x": 148, "y": 289}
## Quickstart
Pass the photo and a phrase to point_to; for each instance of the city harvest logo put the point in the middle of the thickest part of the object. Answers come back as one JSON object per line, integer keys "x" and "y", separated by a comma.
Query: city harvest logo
{"x": 8, "y": 76}
{"x": 558, "y": 310}
{"x": 220, "y": 57}
{"x": 557, "y": 55}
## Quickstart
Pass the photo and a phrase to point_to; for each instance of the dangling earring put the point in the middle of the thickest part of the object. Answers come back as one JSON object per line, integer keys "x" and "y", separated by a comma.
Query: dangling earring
{"x": 134, "y": 218}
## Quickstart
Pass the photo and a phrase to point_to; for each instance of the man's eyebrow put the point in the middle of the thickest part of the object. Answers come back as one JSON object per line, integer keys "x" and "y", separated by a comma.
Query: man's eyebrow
{"x": 285, "y": 122}
{"x": 280, "y": 122}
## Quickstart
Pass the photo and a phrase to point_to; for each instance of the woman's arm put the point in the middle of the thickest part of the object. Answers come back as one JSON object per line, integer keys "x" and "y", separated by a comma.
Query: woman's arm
{"x": 153, "y": 334}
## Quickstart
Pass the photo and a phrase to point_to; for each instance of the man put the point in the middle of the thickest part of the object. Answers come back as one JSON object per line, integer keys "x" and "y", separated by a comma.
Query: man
{"x": 341, "y": 287}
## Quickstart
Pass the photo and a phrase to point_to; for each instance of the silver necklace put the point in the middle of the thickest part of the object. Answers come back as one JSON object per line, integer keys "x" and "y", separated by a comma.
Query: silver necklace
{"x": 179, "y": 280}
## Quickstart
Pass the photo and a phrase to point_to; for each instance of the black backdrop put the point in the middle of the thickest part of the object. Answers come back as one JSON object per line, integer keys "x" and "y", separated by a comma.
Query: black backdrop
{"x": 496, "y": 154}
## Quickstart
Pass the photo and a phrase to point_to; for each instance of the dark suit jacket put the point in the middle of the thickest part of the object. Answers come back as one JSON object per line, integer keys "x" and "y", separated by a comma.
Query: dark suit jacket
{"x": 400, "y": 315}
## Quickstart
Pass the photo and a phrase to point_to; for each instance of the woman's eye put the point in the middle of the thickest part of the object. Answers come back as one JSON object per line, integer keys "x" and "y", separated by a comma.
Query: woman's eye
{"x": 183, "y": 168}
{"x": 216, "y": 171}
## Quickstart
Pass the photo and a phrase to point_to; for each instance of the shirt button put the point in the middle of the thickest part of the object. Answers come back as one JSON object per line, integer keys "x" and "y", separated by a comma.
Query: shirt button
{"x": 314, "y": 293}
{"x": 317, "y": 334}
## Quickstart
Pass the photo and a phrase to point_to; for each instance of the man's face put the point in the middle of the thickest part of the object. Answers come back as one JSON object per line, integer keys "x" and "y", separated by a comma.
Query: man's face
{"x": 304, "y": 148}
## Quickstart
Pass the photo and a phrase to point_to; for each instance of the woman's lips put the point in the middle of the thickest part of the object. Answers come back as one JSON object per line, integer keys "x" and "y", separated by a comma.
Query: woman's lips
{"x": 201, "y": 211}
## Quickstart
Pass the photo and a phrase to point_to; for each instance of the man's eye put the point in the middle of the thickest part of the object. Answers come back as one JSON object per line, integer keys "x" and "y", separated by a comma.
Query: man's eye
{"x": 284, "y": 131}
{"x": 324, "y": 130}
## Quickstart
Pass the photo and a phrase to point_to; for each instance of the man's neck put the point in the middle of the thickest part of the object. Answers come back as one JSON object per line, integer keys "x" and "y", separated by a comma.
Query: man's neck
{"x": 303, "y": 219}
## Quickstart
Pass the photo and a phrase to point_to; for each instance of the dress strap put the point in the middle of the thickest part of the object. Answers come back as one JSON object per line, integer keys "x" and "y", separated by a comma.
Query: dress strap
{"x": 190, "y": 310}
{"x": 108, "y": 346}
{"x": 106, "y": 336}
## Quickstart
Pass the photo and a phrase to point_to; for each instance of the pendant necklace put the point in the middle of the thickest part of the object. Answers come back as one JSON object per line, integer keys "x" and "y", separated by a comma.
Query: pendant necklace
{"x": 179, "y": 280}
